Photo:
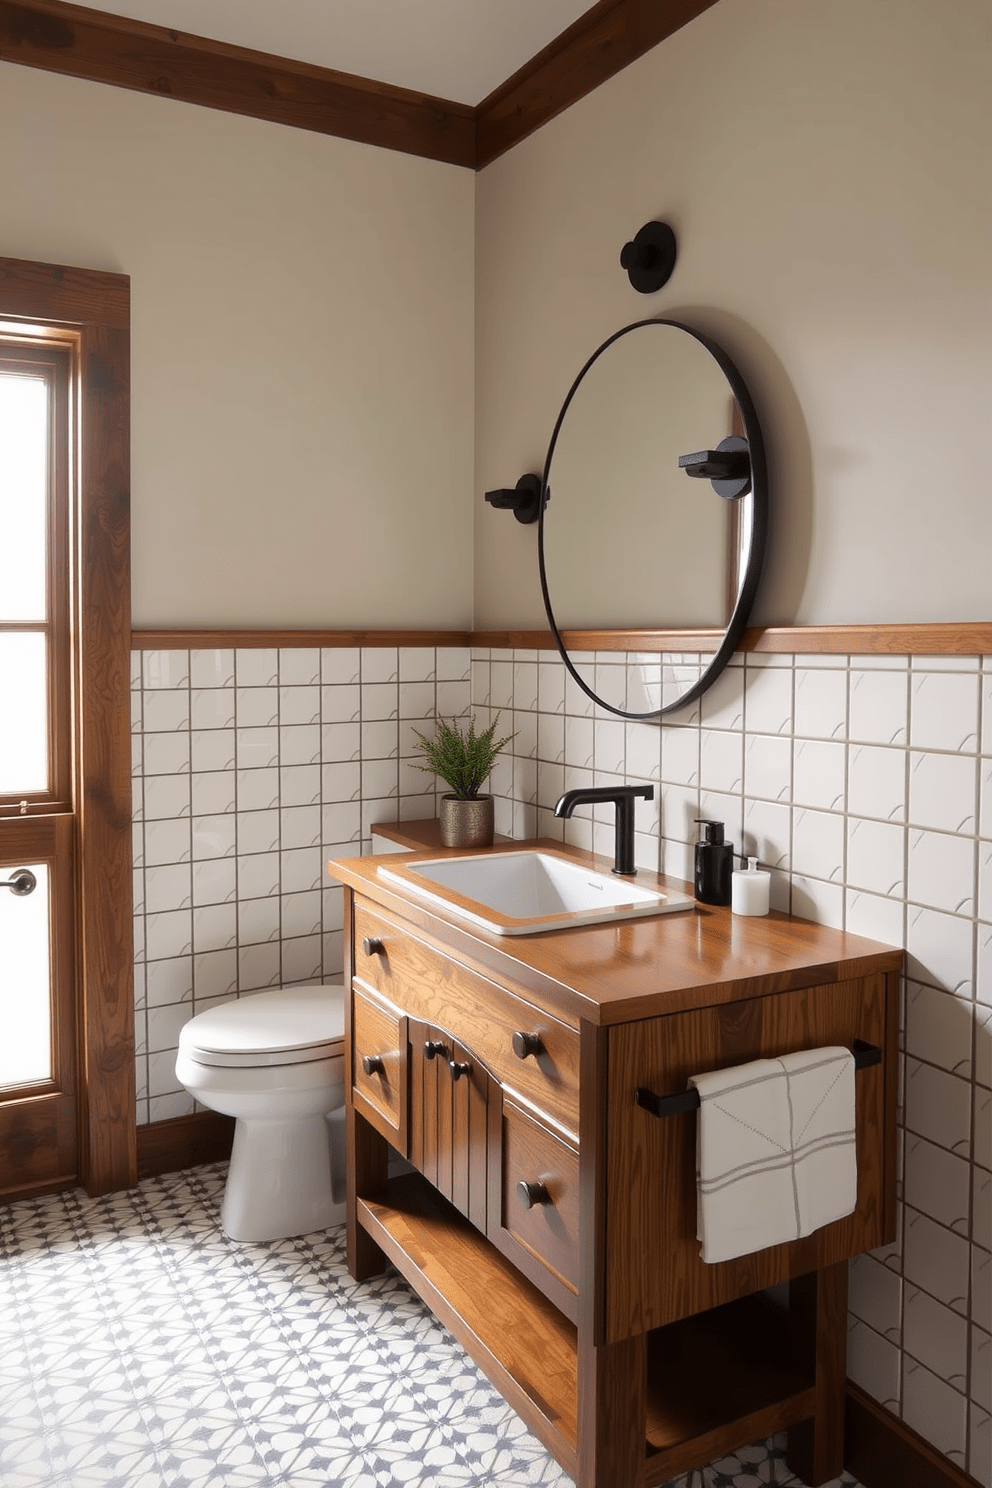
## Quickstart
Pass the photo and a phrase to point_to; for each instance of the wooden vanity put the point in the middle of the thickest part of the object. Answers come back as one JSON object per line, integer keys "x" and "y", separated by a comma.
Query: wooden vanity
{"x": 550, "y": 1221}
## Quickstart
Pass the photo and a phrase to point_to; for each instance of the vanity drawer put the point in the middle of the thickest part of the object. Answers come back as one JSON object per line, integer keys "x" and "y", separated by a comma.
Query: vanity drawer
{"x": 538, "y": 1200}
{"x": 379, "y": 1066}
{"x": 483, "y": 1015}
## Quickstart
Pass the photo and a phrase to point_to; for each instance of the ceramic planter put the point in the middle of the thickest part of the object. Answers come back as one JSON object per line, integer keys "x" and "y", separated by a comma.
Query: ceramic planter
{"x": 466, "y": 823}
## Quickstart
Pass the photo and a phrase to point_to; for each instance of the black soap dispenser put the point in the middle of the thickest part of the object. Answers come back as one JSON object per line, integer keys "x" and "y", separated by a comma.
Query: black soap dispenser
{"x": 714, "y": 864}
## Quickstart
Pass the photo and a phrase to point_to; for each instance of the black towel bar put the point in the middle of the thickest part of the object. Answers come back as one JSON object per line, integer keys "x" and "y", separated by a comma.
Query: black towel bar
{"x": 688, "y": 1100}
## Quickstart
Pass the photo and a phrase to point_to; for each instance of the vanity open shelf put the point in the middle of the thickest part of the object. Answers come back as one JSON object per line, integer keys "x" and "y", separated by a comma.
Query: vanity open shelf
{"x": 550, "y": 1219}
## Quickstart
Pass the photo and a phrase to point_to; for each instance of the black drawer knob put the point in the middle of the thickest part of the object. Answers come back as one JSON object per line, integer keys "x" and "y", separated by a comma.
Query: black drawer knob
{"x": 530, "y": 1194}
{"x": 457, "y": 1069}
{"x": 373, "y": 946}
{"x": 372, "y": 1064}
{"x": 526, "y": 1044}
{"x": 434, "y": 1049}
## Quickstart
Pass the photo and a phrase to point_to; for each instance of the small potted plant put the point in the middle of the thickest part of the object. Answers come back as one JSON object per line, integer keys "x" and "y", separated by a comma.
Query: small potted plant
{"x": 463, "y": 760}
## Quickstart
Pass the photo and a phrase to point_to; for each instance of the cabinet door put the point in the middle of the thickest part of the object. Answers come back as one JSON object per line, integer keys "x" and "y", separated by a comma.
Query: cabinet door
{"x": 379, "y": 1066}
{"x": 656, "y": 1274}
{"x": 449, "y": 1101}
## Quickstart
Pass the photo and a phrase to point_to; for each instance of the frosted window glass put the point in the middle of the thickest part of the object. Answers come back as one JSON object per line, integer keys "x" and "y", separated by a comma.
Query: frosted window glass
{"x": 23, "y": 713}
{"x": 23, "y": 497}
{"x": 25, "y": 983}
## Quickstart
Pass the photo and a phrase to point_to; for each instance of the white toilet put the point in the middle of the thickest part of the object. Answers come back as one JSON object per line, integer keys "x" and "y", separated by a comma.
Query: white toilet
{"x": 275, "y": 1061}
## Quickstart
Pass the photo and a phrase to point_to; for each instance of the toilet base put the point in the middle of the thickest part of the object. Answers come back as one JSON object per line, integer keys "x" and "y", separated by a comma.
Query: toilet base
{"x": 279, "y": 1181}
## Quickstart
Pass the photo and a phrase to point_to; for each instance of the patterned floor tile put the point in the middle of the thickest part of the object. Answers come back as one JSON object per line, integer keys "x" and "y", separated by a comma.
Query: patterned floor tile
{"x": 140, "y": 1348}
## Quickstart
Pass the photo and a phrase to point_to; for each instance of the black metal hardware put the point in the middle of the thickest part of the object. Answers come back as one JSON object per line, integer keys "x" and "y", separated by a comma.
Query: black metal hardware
{"x": 623, "y": 798}
{"x": 373, "y": 946}
{"x": 727, "y": 468}
{"x": 22, "y": 883}
{"x": 526, "y": 1044}
{"x": 530, "y": 1194}
{"x": 524, "y": 500}
{"x": 434, "y": 1049}
{"x": 649, "y": 257}
{"x": 457, "y": 1069}
{"x": 372, "y": 1064}
{"x": 688, "y": 1100}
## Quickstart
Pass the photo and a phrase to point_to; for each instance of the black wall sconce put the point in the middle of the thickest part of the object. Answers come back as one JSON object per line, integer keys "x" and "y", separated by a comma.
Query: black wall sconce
{"x": 649, "y": 257}
{"x": 728, "y": 467}
{"x": 524, "y": 499}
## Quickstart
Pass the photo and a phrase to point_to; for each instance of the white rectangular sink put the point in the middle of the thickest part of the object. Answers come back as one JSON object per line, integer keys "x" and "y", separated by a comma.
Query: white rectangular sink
{"x": 522, "y": 893}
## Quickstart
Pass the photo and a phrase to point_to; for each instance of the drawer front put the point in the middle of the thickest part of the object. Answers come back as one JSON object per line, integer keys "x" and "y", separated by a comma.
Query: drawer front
{"x": 427, "y": 984}
{"x": 544, "y": 1220}
{"x": 379, "y": 1066}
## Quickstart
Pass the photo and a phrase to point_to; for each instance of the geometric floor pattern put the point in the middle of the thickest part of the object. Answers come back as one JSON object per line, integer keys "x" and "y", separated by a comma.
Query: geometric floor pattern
{"x": 140, "y": 1348}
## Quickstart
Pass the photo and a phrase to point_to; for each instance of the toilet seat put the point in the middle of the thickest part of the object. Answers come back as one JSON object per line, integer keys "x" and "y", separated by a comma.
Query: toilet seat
{"x": 289, "y": 1025}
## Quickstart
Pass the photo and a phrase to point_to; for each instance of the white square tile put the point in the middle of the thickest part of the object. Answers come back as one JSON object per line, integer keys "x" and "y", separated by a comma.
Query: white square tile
{"x": 981, "y": 1232}
{"x": 162, "y": 1076}
{"x": 214, "y": 749}
{"x": 938, "y": 1107}
{"x": 299, "y": 826}
{"x": 820, "y": 703}
{"x": 525, "y": 685}
{"x": 643, "y": 750}
{"x": 454, "y": 699}
{"x": 416, "y": 700}
{"x": 379, "y": 740}
{"x": 879, "y": 707}
{"x": 257, "y": 707}
{"x": 258, "y": 876}
{"x": 876, "y": 856}
{"x": 166, "y": 796}
{"x": 166, "y": 712}
{"x": 341, "y": 703}
{"x": 168, "y": 887}
{"x": 454, "y": 663}
{"x": 985, "y": 806}
{"x": 877, "y": 782}
{"x": 768, "y": 767}
{"x": 818, "y": 845}
{"x": 301, "y": 914}
{"x": 213, "y": 836}
{"x": 299, "y": 666}
{"x": 258, "y": 790}
{"x": 937, "y": 1183}
{"x": 936, "y": 1260}
{"x": 942, "y": 791}
{"x": 721, "y": 761}
{"x": 258, "y": 920}
{"x": 983, "y": 1128}
{"x": 679, "y": 756}
{"x": 768, "y": 834}
{"x": 980, "y": 1445}
{"x": 341, "y": 782}
{"x": 981, "y": 1365}
{"x": 380, "y": 778}
{"x": 579, "y": 742}
{"x": 645, "y": 688}
{"x": 169, "y": 981}
{"x": 818, "y": 774}
{"x": 215, "y": 928}
{"x": 299, "y": 785}
{"x": 942, "y": 871}
{"x": 214, "y": 881}
{"x": 340, "y": 665}
{"x": 768, "y": 699}
{"x": 212, "y": 707}
{"x": 164, "y": 669}
{"x": 164, "y": 1024}
{"x": 939, "y": 1028}
{"x": 380, "y": 664}
{"x": 259, "y": 966}
{"x": 215, "y": 974}
{"x": 679, "y": 810}
{"x": 341, "y": 822}
{"x": 340, "y": 742}
{"x": 983, "y": 1032}
{"x": 935, "y": 1409}
{"x": 944, "y": 711}
{"x": 213, "y": 793}
{"x": 301, "y": 960}
{"x": 985, "y": 882}
{"x": 257, "y": 748}
{"x": 480, "y": 684}
{"x": 551, "y": 686}
{"x": 814, "y": 899}
{"x": 167, "y": 842}
{"x": 211, "y": 668}
{"x": 169, "y": 934}
{"x": 256, "y": 667}
{"x": 257, "y": 832}
{"x": 610, "y": 683}
{"x": 578, "y": 703}
{"x": 416, "y": 664}
{"x": 524, "y": 737}
{"x": 940, "y": 949}
{"x": 166, "y": 754}
{"x": 299, "y": 745}
{"x": 875, "y": 916}
{"x": 551, "y": 737}
{"x": 981, "y": 1284}
{"x": 722, "y": 705}
{"x": 874, "y": 1364}
{"x": 299, "y": 705}
{"x": 875, "y": 1296}
{"x": 609, "y": 746}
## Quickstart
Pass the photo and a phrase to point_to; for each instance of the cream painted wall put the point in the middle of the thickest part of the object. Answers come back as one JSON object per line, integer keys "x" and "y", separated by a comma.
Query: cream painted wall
{"x": 828, "y": 171}
{"x": 302, "y": 333}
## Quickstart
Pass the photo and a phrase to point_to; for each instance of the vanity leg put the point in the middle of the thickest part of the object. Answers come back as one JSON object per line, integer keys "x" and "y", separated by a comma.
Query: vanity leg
{"x": 611, "y": 1414}
{"x": 368, "y": 1156}
{"x": 818, "y": 1325}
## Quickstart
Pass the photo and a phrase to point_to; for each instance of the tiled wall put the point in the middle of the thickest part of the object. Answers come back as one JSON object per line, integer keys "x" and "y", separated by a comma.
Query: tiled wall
{"x": 864, "y": 783}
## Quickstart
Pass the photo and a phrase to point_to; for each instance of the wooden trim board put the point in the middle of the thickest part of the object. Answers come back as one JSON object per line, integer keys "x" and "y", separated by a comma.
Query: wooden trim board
{"x": 969, "y": 638}
{"x": 184, "y": 1142}
{"x": 92, "y": 44}
{"x": 883, "y": 1452}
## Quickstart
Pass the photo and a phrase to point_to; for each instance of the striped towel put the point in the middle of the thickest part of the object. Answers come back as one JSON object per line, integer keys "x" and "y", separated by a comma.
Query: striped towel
{"x": 775, "y": 1151}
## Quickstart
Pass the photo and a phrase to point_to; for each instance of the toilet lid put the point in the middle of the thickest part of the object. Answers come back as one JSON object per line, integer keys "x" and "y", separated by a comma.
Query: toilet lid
{"x": 288, "y": 1025}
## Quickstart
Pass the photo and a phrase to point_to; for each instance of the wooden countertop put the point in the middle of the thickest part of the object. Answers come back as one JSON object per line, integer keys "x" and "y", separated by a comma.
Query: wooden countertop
{"x": 634, "y": 968}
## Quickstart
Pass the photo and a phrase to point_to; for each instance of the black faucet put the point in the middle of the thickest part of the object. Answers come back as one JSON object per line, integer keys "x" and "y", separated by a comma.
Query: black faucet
{"x": 623, "y": 798}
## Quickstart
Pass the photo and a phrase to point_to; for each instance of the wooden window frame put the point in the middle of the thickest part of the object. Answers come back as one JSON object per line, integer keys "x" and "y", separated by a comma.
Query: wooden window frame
{"x": 93, "y": 309}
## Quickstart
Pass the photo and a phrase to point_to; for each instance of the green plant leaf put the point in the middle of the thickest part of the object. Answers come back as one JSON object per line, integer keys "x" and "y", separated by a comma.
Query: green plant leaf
{"x": 462, "y": 759}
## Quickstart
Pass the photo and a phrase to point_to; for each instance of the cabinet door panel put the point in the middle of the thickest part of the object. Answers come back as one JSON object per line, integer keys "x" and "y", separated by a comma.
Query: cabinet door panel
{"x": 449, "y": 1119}
{"x": 655, "y": 1272}
{"x": 379, "y": 1037}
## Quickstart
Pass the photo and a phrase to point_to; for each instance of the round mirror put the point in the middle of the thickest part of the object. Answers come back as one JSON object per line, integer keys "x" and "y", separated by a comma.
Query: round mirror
{"x": 654, "y": 511}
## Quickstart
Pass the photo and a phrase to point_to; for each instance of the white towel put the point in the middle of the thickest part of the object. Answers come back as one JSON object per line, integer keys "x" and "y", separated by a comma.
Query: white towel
{"x": 775, "y": 1151}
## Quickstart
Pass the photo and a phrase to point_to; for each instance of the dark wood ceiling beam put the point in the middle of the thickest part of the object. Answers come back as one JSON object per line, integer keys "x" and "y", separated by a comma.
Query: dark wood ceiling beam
{"x": 131, "y": 54}
{"x": 599, "y": 44}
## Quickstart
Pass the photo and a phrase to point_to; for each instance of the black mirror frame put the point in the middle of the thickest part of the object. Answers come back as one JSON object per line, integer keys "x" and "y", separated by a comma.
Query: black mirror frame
{"x": 737, "y": 623}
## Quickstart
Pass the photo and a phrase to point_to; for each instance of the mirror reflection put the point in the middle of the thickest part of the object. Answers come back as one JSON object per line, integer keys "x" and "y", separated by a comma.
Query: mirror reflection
{"x": 628, "y": 539}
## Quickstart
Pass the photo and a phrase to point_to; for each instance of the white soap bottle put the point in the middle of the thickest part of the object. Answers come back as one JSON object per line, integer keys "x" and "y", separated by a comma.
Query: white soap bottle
{"x": 750, "y": 889}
